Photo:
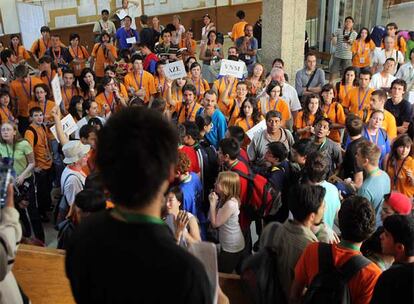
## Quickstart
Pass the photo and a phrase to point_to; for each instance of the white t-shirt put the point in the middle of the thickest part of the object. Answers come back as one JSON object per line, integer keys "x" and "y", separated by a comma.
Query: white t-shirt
{"x": 291, "y": 96}
{"x": 74, "y": 184}
{"x": 379, "y": 82}
{"x": 176, "y": 38}
{"x": 380, "y": 58}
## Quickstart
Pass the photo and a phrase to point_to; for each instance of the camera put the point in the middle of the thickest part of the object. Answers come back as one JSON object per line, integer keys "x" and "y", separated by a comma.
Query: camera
{"x": 346, "y": 37}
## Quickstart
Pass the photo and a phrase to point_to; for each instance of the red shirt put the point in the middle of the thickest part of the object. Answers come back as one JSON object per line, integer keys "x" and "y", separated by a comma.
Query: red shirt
{"x": 243, "y": 219}
{"x": 192, "y": 155}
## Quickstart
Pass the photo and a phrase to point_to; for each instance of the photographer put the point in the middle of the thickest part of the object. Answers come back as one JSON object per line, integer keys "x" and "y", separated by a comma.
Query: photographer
{"x": 109, "y": 98}
{"x": 10, "y": 235}
{"x": 13, "y": 146}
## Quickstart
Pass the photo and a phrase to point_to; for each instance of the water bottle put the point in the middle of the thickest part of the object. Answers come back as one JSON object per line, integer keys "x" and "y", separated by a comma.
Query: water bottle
{"x": 6, "y": 176}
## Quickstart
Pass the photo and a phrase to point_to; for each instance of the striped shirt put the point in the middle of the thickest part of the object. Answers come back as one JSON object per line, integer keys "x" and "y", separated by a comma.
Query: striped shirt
{"x": 343, "y": 48}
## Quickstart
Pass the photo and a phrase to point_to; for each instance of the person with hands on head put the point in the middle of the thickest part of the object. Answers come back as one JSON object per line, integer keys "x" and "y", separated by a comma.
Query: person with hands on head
{"x": 224, "y": 215}
{"x": 88, "y": 84}
{"x": 20, "y": 151}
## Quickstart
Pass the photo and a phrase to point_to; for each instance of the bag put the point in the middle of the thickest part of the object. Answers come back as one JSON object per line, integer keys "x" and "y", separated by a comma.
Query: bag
{"x": 262, "y": 198}
{"x": 259, "y": 276}
{"x": 330, "y": 285}
{"x": 65, "y": 229}
{"x": 35, "y": 136}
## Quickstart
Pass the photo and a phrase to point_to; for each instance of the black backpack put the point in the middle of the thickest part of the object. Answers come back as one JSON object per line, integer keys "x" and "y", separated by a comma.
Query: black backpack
{"x": 330, "y": 285}
{"x": 259, "y": 276}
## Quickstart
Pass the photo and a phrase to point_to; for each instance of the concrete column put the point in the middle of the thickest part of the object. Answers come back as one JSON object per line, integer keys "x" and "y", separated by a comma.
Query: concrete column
{"x": 283, "y": 35}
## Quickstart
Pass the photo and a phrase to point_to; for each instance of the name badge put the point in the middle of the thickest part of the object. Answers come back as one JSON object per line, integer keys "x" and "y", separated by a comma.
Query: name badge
{"x": 362, "y": 60}
{"x": 131, "y": 40}
{"x": 247, "y": 57}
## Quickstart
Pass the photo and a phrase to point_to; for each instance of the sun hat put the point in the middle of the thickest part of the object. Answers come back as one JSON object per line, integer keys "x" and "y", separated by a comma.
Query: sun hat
{"x": 74, "y": 150}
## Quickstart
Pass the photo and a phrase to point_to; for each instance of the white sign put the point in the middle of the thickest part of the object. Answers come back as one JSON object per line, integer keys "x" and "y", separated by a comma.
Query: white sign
{"x": 131, "y": 40}
{"x": 259, "y": 128}
{"x": 175, "y": 70}
{"x": 68, "y": 124}
{"x": 122, "y": 14}
{"x": 411, "y": 97}
{"x": 232, "y": 68}
{"x": 57, "y": 93}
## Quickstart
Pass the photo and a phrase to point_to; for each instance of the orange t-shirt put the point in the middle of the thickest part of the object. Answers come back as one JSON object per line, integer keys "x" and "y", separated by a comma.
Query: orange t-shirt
{"x": 231, "y": 111}
{"x": 280, "y": 105}
{"x": 244, "y": 123}
{"x": 361, "y": 52}
{"x": 22, "y": 54}
{"x": 335, "y": 112}
{"x": 187, "y": 113}
{"x": 220, "y": 86}
{"x": 361, "y": 285}
{"x": 40, "y": 46}
{"x": 343, "y": 91}
{"x": 102, "y": 100}
{"x": 357, "y": 101}
{"x": 142, "y": 81}
{"x": 401, "y": 183}
{"x": 23, "y": 91}
{"x": 300, "y": 123}
{"x": 79, "y": 53}
{"x": 161, "y": 86}
{"x": 238, "y": 30}
{"x": 5, "y": 115}
{"x": 67, "y": 95}
{"x": 41, "y": 150}
{"x": 201, "y": 87}
{"x": 101, "y": 61}
{"x": 46, "y": 108}
{"x": 184, "y": 44}
{"x": 389, "y": 124}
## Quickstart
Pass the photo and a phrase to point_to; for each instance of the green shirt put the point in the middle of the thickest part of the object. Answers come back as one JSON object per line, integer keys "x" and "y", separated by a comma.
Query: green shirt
{"x": 21, "y": 150}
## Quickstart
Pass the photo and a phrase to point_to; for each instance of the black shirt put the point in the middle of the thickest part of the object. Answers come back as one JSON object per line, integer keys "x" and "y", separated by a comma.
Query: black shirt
{"x": 402, "y": 111}
{"x": 146, "y": 36}
{"x": 395, "y": 285}
{"x": 109, "y": 261}
{"x": 349, "y": 164}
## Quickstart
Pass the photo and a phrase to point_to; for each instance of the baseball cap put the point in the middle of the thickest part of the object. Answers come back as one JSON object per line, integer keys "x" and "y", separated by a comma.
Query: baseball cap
{"x": 399, "y": 202}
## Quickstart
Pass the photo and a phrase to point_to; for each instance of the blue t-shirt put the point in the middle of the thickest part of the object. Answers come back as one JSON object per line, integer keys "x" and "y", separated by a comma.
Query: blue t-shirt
{"x": 219, "y": 129}
{"x": 381, "y": 140}
{"x": 332, "y": 203}
{"x": 122, "y": 34}
{"x": 193, "y": 196}
{"x": 373, "y": 189}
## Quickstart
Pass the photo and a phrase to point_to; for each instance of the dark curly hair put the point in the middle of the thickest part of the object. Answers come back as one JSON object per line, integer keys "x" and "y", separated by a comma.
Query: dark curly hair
{"x": 356, "y": 219}
{"x": 255, "y": 115}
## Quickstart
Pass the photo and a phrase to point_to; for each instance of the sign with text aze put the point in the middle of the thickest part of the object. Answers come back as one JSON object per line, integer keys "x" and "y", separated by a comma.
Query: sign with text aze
{"x": 68, "y": 124}
{"x": 175, "y": 70}
{"x": 232, "y": 68}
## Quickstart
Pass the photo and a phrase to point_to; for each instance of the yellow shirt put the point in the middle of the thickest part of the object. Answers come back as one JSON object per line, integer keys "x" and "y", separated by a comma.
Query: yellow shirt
{"x": 238, "y": 30}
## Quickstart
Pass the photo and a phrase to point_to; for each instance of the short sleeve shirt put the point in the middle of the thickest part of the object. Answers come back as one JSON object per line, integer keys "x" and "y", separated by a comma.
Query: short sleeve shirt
{"x": 72, "y": 182}
{"x": 19, "y": 153}
{"x": 343, "y": 48}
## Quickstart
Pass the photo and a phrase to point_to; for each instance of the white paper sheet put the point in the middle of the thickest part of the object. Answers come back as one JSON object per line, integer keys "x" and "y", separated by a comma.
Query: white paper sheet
{"x": 261, "y": 126}
{"x": 57, "y": 93}
{"x": 68, "y": 124}
{"x": 232, "y": 68}
{"x": 175, "y": 70}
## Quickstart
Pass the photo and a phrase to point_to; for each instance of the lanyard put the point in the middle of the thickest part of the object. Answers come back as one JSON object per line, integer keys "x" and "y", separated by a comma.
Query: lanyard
{"x": 28, "y": 94}
{"x": 57, "y": 58}
{"x": 71, "y": 94}
{"x": 46, "y": 44}
{"x": 188, "y": 115}
{"x": 321, "y": 146}
{"x": 361, "y": 46}
{"x": 77, "y": 51}
{"x": 163, "y": 85}
{"x": 234, "y": 164}
{"x": 372, "y": 138}
{"x": 8, "y": 114}
{"x": 360, "y": 104}
{"x": 199, "y": 88}
{"x": 397, "y": 171}
{"x": 140, "y": 81}
{"x": 110, "y": 103}
{"x": 134, "y": 218}
{"x": 274, "y": 108}
{"x": 11, "y": 71}
{"x": 247, "y": 123}
{"x": 375, "y": 171}
{"x": 349, "y": 245}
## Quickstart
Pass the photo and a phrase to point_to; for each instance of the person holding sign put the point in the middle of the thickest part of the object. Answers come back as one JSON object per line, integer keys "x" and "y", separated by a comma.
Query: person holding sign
{"x": 175, "y": 90}
{"x": 109, "y": 99}
{"x": 126, "y": 37}
{"x": 230, "y": 106}
{"x": 140, "y": 83}
{"x": 199, "y": 82}
{"x": 103, "y": 54}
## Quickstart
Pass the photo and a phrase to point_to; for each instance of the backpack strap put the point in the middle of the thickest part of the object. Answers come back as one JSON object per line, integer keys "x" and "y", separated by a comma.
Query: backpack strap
{"x": 325, "y": 257}
{"x": 250, "y": 179}
{"x": 66, "y": 179}
{"x": 353, "y": 266}
{"x": 35, "y": 136}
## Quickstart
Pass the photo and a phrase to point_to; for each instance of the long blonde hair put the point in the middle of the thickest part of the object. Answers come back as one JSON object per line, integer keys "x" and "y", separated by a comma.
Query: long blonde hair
{"x": 230, "y": 184}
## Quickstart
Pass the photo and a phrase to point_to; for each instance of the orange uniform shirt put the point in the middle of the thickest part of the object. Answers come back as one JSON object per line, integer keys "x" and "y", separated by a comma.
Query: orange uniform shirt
{"x": 144, "y": 80}
{"x": 361, "y": 53}
{"x": 238, "y": 30}
{"x": 46, "y": 108}
{"x": 47, "y": 80}
{"x": 67, "y": 95}
{"x": 335, "y": 112}
{"x": 220, "y": 86}
{"x": 244, "y": 123}
{"x": 361, "y": 285}
{"x": 300, "y": 123}
{"x": 41, "y": 150}
{"x": 40, "y": 46}
{"x": 185, "y": 113}
{"x": 161, "y": 86}
{"x": 81, "y": 53}
{"x": 184, "y": 43}
{"x": 102, "y": 100}
{"x": 201, "y": 87}
{"x": 356, "y": 101}
{"x": 101, "y": 60}
{"x": 23, "y": 92}
{"x": 21, "y": 54}
{"x": 389, "y": 124}
{"x": 5, "y": 115}
{"x": 343, "y": 91}
{"x": 280, "y": 105}
{"x": 232, "y": 111}
{"x": 398, "y": 175}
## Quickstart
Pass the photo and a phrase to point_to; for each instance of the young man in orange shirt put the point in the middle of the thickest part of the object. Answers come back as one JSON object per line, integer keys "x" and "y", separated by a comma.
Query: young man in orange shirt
{"x": 377, "y": 102}
{"x": 357, "y": 100}
{"x": 36, "y": 135}
{"x": 41, "y": 45}
{"x": 140, "y": 83}
{"x": 69, "y": 90}
{"x": 103, "y": 54}
{"x": 187, "y": 110}
{"x": 238, "y": 28}
{"x": 357, "y": 224}
{"x": 22, "y": 91}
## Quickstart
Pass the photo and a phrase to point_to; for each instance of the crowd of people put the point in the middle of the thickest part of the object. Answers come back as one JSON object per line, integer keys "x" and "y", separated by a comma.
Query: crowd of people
{"x": 175, "y": 162}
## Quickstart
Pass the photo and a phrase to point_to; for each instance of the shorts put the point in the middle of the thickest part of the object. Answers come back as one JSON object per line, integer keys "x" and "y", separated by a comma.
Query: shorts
{"x": 339, "y": 64}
